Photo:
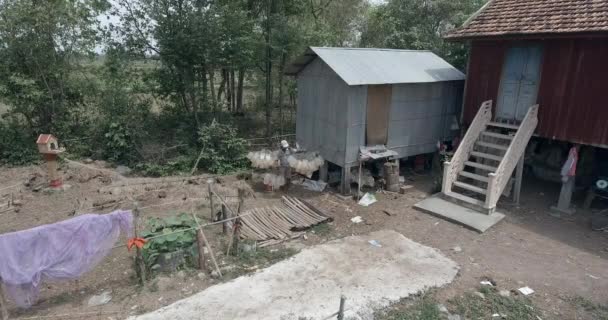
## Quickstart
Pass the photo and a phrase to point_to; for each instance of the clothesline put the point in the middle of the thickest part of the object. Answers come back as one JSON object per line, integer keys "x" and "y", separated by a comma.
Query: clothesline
{"x": 192, "y": 228}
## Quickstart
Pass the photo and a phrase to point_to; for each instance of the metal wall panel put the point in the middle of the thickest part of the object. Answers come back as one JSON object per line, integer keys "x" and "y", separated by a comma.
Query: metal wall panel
{"x": 421, "y": 115}
{"x": 357, "y": 106}
{"x": 322, "y": 112}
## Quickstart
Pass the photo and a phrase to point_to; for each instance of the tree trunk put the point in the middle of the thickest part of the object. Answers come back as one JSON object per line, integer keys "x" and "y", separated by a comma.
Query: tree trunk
{"x": 239, "y": 91}
{"x": 220, "y": 91}
{"x": 268, "y": 70}
{"x": 212, "y": 85}
{"x": 281, "y": 70}
{"x": 233, "y": 91}
{"x": 228, "y": 90}
{"x": 205, "y": 87}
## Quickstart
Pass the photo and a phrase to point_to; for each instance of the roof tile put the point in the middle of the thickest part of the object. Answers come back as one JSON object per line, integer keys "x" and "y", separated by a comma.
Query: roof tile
{"x": 524, "y": 17}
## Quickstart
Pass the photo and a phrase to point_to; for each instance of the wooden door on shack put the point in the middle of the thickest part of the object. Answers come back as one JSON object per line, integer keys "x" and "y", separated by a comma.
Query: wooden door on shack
{"x": 378, "y": 110}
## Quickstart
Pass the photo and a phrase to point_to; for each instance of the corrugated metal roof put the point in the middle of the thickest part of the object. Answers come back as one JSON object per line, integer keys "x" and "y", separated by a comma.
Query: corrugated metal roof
{"x": 360, "y": 66}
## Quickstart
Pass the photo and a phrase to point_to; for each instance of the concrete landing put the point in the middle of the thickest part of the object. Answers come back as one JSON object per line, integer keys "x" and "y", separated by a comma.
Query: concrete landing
{"x": 450, "y": 211}
{"x": 308, "y": 286}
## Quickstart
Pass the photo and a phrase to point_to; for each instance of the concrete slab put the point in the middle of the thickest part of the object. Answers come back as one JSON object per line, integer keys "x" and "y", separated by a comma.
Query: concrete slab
{"x": 450, "y": 211}
{"x": 309, "y": 285}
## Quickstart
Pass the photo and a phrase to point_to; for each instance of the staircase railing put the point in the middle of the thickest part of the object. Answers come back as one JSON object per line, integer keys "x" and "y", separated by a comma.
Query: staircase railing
{"x": 456, "y": 164}
{"x": 498, "y": 180}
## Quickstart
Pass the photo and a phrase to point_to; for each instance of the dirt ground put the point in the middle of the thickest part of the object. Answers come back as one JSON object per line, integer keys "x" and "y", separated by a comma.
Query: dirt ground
{"x": 560, "y": 258}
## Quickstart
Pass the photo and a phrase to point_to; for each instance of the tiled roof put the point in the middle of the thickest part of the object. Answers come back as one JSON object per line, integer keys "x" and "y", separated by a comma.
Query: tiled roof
{"x": 44, "y": 138}
{"x": 526, "y": 17}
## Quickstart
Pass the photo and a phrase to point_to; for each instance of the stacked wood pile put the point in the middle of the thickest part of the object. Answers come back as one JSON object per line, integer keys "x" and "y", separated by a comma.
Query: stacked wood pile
{"x": 280, "y": 222}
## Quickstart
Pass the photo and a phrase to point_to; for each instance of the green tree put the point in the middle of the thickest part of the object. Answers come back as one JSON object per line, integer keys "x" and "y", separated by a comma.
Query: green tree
{"x": 42, "y": 43}
{"x": 419, "y": 24}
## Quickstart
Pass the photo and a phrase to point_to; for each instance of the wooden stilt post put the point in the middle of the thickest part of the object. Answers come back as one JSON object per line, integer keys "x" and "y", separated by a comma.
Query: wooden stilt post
{"x": 341, "y": 310}
{"x": 211, "y": 207}
{"x": 359, "y": 181}
{"x": 345, "y": 184}
{"x": 323, "y": 172}
{"x": 139, "y": 259}
{"x": 519, "y": 172}
{"x": 3, "y": 303}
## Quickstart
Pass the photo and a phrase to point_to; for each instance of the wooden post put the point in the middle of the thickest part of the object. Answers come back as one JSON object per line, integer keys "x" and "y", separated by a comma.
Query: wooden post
{"x": 236, "y": 229}
{"x": 224, "y": 217}
{"x": 3, "y": 303}
{"x": 201, "y": 249}
{"x": 345, "y": 184}
{"x": 217, "y": 268}
{"x": 139, "y": 259}
{"x": 323, "y": 174}
{"x": 519, "y": 172}
{"x": 359, "y": 180}
{"x": 341, "y": 310}
{"x": 211, "y": 208}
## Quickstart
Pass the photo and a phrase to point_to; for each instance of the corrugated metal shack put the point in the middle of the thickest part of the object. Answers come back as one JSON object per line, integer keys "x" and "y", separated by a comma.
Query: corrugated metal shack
{"x": 550, "y": 52}
{"x": 348, "y": 98}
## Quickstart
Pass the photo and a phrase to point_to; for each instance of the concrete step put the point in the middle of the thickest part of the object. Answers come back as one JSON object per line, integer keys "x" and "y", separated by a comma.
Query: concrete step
{"x": 496, "y": 135}
{"x": 492, "y": 145}
{"x": 480, "y": 166}
{"x": 503, "y": 125}
{"x": 470, "y": 187}
{"x": 473, "y": 176}
{"x": 486, "y": 156}
{"x": 446, "y": 207}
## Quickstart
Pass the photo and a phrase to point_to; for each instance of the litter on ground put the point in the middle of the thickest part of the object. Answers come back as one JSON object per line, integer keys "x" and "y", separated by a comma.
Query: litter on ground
{"x": 526, "y": 291}
{"x": 356, "y": 219}
{"x": 367, "y": 200}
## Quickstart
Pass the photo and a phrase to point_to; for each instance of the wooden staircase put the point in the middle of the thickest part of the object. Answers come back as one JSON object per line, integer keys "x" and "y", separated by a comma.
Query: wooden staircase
{"x": 485, "y": 160}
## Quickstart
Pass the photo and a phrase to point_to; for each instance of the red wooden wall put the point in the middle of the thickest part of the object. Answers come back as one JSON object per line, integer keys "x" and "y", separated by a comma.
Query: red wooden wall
{"x": 573, "y": 91}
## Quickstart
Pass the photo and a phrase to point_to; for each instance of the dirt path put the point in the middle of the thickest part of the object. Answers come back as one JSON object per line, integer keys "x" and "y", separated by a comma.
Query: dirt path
{"x": 559, "y": 258}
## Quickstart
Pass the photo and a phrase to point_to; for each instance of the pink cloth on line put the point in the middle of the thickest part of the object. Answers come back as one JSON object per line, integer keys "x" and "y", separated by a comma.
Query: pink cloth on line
{"x": 59, "y": 251}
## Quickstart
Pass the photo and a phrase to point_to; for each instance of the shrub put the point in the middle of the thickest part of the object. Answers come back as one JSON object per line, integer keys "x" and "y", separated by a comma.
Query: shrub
{"x": 172, "y": 242}
{"x": 222, "y": 150}
{"x": 17, "y": 144}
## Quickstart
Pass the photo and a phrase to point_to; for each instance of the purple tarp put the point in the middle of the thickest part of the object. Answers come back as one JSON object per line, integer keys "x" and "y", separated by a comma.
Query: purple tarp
{"x": 59, "y": 251}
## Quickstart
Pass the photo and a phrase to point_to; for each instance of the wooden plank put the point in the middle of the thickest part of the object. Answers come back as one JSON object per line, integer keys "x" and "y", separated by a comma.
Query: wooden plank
{"x": 480, "y": 166}
{"x": 469, "y": 187}
{"x": 289, "y": 220}
{"x": 294, "y": 217}
{"x": 309, "y": 210}
{"x": 259, "y": 225}
{"x": 492, "y": 145}
{"x": 315, "y": 209}
{"x": 503, "y": 125}
{"x": 473, "y": 176}
{"x": 378, "y": 110}
{"x": 478, "y": 154}
{"x": 497, "y": 135}
{"x": 303, "y": 211}
{"x": 300, "y": 212}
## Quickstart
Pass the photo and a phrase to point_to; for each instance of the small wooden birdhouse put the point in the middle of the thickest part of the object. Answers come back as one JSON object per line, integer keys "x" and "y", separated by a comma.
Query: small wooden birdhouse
{"x": 47, "y": 144}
